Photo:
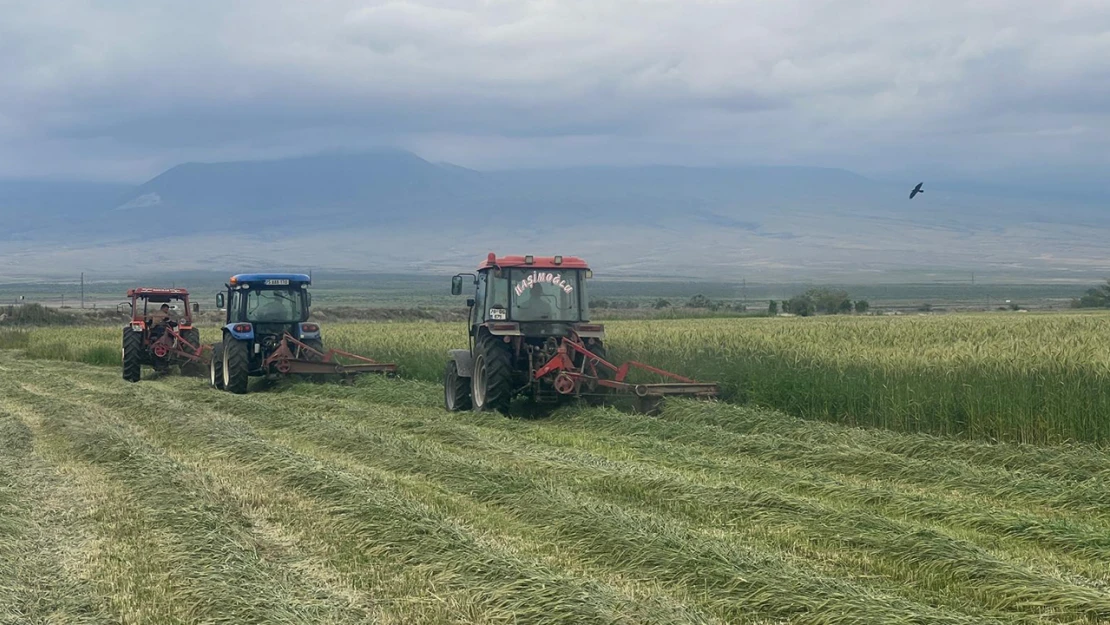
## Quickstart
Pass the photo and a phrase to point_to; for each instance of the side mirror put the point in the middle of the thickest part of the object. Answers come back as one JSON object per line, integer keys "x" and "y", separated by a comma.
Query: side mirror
{"x": 456, "y": 285}
{"x": 219, "y": 300}
{"x": 470, "y": 302}
{"x": 196, "y": 307}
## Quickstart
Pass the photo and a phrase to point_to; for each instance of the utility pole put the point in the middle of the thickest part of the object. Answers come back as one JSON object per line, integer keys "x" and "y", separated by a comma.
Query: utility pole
{"x": 82, "y": 289}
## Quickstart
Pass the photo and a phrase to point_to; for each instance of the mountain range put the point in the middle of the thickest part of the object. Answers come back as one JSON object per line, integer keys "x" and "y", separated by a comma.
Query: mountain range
{"x": 394, "y": 211}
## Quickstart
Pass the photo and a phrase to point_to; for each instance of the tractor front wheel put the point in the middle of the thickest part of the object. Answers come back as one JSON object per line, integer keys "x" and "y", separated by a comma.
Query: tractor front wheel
{"x": 236, "y": 361}
{"x": 491, "y": 382}
{"x": 216, "y": 367}
{"x": 456, "y": 389}
{"x": 132, "y": 355}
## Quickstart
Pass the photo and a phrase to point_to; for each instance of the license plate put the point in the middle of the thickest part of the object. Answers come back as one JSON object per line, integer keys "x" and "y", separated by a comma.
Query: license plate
{"x": 497, "y": 314}
{"x": 276, "y": 282}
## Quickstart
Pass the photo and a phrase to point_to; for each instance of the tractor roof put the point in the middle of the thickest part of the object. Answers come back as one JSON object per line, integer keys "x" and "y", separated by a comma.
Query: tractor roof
{"x": 148, "y": 292}
{"x": 534, "y": 262}
{"x": 254, "y": 278}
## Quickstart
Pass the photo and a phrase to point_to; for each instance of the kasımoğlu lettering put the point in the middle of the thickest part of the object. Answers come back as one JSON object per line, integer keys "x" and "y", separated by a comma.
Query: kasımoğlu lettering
{"x": 541, "y": 277}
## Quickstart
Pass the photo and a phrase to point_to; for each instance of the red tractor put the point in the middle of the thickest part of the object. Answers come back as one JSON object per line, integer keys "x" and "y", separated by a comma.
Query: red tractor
{"x": 161, "y": 333}
{"x": 530, "y": 335}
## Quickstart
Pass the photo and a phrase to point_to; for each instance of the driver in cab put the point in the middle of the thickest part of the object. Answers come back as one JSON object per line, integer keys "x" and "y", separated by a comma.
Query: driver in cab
{"x": 161, "y": 318}
{"x": 537, "y": 305}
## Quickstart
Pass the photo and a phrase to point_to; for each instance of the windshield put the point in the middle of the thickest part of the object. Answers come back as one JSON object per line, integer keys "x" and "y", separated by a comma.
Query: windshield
{"x": 274, "y": 306}
{"x": 152, "y": 309}
{"x": 544, "y": 295}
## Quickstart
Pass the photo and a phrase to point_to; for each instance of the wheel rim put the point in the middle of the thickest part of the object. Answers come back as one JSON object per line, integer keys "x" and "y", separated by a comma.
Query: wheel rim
{"x": 449, "y": 388}
{"x": 478, "y": 385}
{"x": 212, "y": 372}
{"x": 227, "y": 372}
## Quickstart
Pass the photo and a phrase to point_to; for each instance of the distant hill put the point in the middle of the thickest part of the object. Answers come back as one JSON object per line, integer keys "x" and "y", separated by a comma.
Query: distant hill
{"x": 393, "y": 211}
{"x": 30, "y": 206}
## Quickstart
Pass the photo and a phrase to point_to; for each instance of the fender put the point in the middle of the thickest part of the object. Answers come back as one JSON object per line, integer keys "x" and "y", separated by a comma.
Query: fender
{"x": 590, "y": 330}
{"x": 247, "y": 335}
{"x": 464, "y": 361}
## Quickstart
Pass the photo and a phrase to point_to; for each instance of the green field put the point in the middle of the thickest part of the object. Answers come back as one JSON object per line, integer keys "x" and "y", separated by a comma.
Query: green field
{"x": 1036, "y": 378}
{"x": 166, "y": 502}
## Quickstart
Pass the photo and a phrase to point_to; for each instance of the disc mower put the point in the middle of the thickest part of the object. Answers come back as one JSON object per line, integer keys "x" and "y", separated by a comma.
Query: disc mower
{"x": 267, "y": 333}
{"x": 161, "y": 333}
{"x": 530, "y": 336}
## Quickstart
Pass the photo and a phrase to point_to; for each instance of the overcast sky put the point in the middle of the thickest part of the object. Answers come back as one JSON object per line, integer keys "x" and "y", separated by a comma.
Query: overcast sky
{"x": 121, "y": 89}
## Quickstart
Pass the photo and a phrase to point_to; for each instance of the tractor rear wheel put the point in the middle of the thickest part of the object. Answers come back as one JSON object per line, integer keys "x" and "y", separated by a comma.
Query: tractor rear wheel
{"x": 216, "y": 367}
{"x": 316, "y": 344}
{"x": 191, "y": 367}
{"x": 491, "y": 382}
{"x": 456, "y": 389}
{"x": 132, "y": 355}
{"x": 236, "y": 363}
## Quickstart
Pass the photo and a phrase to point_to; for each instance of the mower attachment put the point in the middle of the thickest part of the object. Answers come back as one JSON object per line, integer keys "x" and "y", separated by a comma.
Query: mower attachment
{"x": 595, "y": 372}
{"x": 293, "y": 356}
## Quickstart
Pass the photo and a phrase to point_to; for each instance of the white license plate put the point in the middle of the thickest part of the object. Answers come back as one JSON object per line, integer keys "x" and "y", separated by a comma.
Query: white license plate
{"x": 497, "y": 314}
{"x": 276, "y": 282}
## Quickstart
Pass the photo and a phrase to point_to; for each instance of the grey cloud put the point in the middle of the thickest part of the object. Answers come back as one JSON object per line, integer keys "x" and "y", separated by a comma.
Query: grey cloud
{"x": 126, "y": 87}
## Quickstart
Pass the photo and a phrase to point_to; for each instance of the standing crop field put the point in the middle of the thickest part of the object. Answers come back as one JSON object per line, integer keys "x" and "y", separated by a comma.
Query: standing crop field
{"x": 1027, "y": 378}
{"x": 167, "y": 502}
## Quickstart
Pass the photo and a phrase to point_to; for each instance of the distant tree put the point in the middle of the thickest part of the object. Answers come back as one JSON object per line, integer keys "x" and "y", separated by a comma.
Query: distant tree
{"x": 826, "y": 301}
{"x": 1015, "y": 306}
{"x": 662, "y": 303}
{"x": 927, "y": 307}
{"x": 802, "y": 305}
{"x": 773, "y": 308}
{"x": 1098, "y": 297}
{"x": 862, "y": 306}
{"x": 698, "y": 301}
{"x": 785, "y": 306}
{"x": 599, "y": 303}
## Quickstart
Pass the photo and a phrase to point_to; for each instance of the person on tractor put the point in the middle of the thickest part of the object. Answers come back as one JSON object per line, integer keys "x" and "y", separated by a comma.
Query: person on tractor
{"x": 537, "y": 306}
{"x": 160, "y": 320}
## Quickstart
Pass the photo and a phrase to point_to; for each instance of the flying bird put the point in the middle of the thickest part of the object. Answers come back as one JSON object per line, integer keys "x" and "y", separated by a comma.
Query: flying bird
{"x": 917, "y": 190}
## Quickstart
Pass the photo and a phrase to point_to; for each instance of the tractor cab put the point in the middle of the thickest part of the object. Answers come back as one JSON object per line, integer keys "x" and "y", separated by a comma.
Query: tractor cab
{"x": 529, "y": 296}
{"x": 267, "y": 305}
{"x": 146, "y": 306}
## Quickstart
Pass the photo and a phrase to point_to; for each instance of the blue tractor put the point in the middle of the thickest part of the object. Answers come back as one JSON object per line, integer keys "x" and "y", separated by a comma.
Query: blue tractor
{"x": 267, "y": 333}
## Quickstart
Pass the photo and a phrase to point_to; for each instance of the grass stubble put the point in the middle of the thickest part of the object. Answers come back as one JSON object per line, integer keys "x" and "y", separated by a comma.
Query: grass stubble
{"x": 368, "y": 503}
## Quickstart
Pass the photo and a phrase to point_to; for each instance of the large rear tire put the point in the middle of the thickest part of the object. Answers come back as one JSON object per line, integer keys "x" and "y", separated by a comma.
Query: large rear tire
{"x": 456, "y": 389}
{"x": 216, "y": 367}
{"x": 191, "y": 367}
{"x": 236, "y": 362}
{"x": 491, "y": 382}
{"x": 132, "y": 355}
{"x": 316, "y": 344}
